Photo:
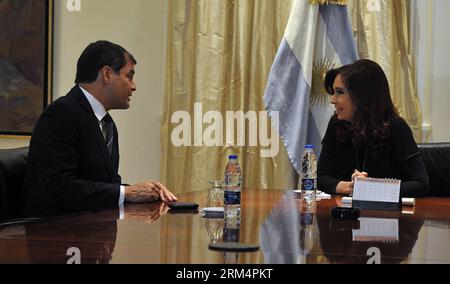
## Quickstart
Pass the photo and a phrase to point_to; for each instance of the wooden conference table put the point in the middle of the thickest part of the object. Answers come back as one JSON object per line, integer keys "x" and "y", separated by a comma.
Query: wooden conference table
{"x": 148, "y": 233}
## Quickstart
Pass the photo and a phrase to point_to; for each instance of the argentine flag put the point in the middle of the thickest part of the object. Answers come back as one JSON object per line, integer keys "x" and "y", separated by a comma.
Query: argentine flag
{"x": 317, "y": 39}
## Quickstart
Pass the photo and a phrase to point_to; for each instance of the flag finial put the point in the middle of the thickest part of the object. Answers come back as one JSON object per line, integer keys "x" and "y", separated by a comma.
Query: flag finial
{"x": 327, "y": 2}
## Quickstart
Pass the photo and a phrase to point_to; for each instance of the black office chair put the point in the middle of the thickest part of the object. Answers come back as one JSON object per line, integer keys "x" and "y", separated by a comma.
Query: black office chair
{"x": 436, "y": 157}
{"x": 13, "y": 169}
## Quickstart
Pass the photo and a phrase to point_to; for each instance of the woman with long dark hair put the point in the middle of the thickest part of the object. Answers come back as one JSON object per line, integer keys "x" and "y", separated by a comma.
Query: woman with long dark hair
{"x": 366, "y": 136}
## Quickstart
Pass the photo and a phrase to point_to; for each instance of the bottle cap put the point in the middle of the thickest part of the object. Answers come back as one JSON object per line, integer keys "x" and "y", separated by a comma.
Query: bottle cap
{"x": 309, "y": 147}
{"x": 232, "y": 157}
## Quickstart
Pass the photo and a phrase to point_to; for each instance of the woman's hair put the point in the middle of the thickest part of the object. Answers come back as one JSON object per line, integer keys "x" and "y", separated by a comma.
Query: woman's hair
{"x": 369, "y": 90}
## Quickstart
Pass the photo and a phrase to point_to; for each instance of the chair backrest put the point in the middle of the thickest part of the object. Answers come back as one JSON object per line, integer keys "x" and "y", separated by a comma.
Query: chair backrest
{"x": 13, "y": 170}
{"x": 436, "y": 157}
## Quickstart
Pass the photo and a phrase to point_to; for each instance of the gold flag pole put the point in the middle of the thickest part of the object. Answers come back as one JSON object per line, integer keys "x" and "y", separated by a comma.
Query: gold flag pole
{"x": 327, "y": 2}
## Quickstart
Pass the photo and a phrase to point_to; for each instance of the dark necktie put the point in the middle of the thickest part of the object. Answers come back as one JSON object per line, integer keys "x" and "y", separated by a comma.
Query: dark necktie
{"x": 107, "y": 131}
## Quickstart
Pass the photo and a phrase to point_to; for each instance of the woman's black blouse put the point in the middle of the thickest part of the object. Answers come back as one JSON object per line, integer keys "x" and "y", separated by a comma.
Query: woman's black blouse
{"x": 400, "y": 159}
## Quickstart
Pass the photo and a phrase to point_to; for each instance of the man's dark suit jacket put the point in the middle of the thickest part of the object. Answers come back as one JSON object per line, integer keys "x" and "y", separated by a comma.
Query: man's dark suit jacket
{"x": 69, "y": 167}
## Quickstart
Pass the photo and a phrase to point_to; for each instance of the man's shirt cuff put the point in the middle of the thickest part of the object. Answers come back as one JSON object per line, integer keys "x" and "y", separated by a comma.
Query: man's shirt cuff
{"x": 122, "y": 195}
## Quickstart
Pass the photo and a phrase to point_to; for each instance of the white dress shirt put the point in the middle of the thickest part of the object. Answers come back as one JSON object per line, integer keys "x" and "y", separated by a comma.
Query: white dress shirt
{"x": 100, "y": 112}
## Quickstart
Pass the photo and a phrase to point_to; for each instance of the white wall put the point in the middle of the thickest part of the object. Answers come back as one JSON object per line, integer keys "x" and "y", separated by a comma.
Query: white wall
{"x": 431, "y": 42}
{"x": 441, "y": 72}
{"x": 138, "y": 25}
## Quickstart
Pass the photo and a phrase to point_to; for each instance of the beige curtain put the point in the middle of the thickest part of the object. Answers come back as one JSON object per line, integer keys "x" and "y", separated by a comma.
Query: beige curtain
{"x": 382, "y": 34}
{"x": 219, "y": 54}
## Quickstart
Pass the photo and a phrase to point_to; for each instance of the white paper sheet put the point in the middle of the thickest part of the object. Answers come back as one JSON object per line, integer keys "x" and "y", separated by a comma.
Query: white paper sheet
{"x": 375, "y": 189}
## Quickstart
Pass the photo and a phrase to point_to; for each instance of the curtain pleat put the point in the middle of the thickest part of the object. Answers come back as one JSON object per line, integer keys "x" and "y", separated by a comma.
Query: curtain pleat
{"x": 382, "y": 34}
{"x": 219, "y": 54}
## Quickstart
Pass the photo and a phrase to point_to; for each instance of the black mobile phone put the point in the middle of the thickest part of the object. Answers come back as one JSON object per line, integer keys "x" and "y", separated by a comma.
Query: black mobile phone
{"x": 182, "y": 205}
{"x": 345, "y": 212}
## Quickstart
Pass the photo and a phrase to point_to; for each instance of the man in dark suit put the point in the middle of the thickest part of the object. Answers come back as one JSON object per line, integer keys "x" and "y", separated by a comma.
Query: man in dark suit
{"x": 74, "y": 153}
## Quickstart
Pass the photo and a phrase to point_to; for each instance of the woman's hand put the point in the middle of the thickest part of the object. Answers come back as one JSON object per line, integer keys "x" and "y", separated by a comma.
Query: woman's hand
{"x": 345, "y": 188}
{"x": 359, "y": 174}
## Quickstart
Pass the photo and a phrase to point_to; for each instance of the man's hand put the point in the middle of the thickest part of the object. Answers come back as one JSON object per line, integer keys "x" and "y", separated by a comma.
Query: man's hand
{"x": 148, "y": 192}
{"x": 148, "y": 213}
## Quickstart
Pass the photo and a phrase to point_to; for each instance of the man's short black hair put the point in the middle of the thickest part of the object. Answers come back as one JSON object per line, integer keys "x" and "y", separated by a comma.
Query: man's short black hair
{"x": 98, "y": 55}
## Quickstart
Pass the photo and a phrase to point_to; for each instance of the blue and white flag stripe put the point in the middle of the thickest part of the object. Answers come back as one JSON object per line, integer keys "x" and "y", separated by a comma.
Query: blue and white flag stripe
{"x": 339, "y": 31}
{"x": 313, "y": 33}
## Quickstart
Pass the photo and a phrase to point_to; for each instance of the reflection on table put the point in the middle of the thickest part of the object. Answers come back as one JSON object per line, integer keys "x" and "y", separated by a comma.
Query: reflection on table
{"x": 148, "y": 233}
